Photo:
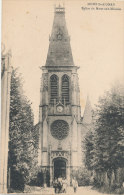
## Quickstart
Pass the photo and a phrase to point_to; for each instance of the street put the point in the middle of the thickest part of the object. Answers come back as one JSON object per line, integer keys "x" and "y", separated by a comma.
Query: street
{"x": 50, "y": 191}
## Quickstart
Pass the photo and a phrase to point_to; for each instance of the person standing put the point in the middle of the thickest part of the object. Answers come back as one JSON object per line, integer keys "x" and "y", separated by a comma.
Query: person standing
{"x": 55, "y": 185}
{"x": 64, "y": 185}
{"x": 59, "y": 184}
{"x": 74, "y": 184}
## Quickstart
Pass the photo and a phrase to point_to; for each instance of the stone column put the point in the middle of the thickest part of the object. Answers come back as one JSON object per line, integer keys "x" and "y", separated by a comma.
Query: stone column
{"x": 79, "y": 145}
{"x": 45, "y": 136}
{"x": 73, "y": 88}
{"x": 5, "y": 106}
{"x": 68, "y": 174}
{"x": 51, "y": 179}
{"x": 74, "y": 143}
{"x": 40, "y": 126}
{"x": 45, "y": 184}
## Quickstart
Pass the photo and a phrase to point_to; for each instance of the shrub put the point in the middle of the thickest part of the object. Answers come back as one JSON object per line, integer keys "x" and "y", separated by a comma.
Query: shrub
{"x": 83, "y": 177}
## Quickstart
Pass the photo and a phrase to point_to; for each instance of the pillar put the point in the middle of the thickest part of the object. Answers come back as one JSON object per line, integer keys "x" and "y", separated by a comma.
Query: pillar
{"x": 5, "y": 106}
{"x": 68, "y": 174}
{"x": 74, "y": 143}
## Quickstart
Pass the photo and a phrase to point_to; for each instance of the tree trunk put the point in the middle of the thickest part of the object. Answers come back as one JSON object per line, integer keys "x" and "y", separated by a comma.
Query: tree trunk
{"x": 112, "y": 179}
{"x": 118, "y": 176}
{"x": 106, "y": 181}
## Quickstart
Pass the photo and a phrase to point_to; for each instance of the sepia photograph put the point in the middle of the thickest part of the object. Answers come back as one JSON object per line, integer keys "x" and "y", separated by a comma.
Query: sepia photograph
{"x": 62, "y": 97}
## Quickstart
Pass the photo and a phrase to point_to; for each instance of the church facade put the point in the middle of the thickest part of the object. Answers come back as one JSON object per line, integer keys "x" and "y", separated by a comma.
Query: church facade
{"x": 60, "y": 112}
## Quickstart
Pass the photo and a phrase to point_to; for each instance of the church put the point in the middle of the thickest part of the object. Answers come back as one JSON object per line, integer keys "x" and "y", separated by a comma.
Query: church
{"x": 61, "y": 127}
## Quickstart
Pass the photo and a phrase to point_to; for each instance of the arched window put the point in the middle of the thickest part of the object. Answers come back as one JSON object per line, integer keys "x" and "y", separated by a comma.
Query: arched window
{"x": 54, "y": 88}
{"x": 65, "y": 88}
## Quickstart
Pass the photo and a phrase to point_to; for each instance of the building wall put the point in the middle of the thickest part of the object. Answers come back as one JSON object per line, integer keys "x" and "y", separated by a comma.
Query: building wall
{"x": 70, "y": 147}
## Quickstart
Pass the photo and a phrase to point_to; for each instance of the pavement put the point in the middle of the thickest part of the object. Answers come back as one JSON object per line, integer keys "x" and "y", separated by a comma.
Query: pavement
{"x": 50, "y": 191}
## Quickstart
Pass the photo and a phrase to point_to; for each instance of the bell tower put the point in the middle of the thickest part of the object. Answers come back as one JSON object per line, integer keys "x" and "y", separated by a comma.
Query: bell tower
{"x": 59, "y": 110}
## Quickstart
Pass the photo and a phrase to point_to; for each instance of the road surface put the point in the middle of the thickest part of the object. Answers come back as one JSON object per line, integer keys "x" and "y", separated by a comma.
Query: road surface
{"x": 50, "y": 191}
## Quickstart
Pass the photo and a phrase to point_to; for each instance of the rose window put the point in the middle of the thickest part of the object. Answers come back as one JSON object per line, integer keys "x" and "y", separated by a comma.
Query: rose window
{"x": 59, "y": 129}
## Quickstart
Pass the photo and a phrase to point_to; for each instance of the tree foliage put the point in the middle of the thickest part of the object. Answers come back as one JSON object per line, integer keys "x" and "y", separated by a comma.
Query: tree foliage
{"x": 105, "y": 144}
{"x": 22, "y": 147}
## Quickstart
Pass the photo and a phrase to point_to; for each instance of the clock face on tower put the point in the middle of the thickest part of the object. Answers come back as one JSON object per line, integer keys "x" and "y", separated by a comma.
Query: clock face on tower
{"x": 59, "y": 108}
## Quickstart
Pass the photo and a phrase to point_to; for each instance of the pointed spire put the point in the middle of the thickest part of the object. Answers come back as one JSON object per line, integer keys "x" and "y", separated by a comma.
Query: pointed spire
{"x": 87, "y": 117}
{"x": 59, "y": 53}
{"x": 74, "y": 132}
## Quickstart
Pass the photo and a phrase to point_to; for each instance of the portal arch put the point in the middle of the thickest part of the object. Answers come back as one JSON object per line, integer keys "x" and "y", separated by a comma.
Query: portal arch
{"x": 59, "y": 167}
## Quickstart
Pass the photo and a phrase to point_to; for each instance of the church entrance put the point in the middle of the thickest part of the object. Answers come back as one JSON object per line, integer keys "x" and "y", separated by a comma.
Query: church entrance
{"x": 59, "y": 168}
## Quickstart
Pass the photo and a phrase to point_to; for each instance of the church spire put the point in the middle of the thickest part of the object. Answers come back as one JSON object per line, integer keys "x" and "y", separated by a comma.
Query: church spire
{"x": 59, "y": 53}
{"x": 87, "y": 117}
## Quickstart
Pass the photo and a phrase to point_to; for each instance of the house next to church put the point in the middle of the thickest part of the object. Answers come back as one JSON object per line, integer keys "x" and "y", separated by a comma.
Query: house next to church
{"x": 61, "y": 125}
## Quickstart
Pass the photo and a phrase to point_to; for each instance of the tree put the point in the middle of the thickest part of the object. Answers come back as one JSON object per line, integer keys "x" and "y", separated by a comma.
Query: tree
{"x": 110, "y": 129}
{"x": 89, "y": 149}
{"x": 21, "y": 142}
{"x": 105, "y": 148}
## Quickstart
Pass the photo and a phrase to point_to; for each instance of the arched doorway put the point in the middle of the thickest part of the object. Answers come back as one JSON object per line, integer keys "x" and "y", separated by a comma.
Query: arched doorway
{"x": 59, "y": 168}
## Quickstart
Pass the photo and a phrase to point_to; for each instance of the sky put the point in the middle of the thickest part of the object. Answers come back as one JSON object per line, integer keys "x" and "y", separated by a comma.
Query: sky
{"x": 97, "y": 42}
